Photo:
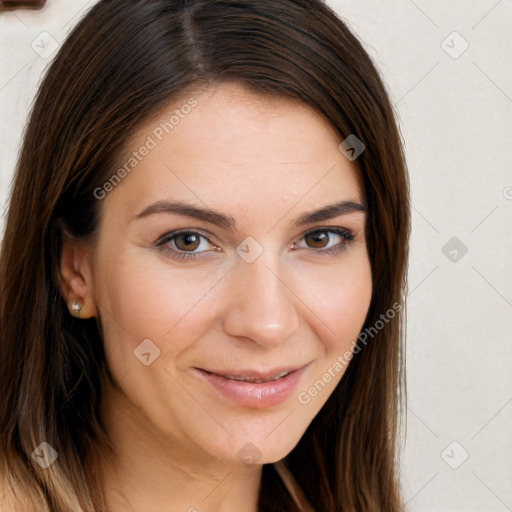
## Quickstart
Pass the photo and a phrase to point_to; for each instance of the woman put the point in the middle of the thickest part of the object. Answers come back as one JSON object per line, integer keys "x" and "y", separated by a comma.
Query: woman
{"x": 203, "y": 268}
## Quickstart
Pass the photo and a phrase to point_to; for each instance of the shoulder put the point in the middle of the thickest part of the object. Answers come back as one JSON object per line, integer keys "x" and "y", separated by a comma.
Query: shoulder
{"x": 11, "y": 499}
{"x": 7, "y": 502}
{"x": 7, "y": 496}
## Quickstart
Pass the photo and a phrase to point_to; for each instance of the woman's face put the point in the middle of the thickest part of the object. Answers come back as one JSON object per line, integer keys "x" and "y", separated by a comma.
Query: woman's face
{"x": 198, "y": 309}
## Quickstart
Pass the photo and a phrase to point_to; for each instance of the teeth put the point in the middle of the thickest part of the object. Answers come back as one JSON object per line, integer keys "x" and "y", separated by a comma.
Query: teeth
{"x": 282, "y": 374}
{"x": 256, "y": 381}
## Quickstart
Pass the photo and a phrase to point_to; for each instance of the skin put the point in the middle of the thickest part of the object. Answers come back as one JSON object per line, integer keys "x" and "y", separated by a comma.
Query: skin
{"x": 265, "y": 162}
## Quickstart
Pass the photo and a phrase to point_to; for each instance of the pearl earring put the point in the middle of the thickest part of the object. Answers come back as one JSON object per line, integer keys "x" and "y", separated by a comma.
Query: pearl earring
{"x": 75, "y": 307}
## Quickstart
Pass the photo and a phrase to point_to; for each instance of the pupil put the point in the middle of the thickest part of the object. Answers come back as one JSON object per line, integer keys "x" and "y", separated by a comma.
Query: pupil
{"x": 318, "y": 238}
{"x": 189, "y": 239}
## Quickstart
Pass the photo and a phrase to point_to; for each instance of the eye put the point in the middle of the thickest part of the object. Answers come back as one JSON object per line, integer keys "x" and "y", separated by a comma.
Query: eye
{"x": 181, "y": 244}
{"x": 193, "y": 244}
{"x": 328, "y": 240}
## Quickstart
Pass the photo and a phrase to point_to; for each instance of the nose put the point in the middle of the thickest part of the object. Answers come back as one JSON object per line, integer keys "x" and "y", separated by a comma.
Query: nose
{"x": 260, "y": 304}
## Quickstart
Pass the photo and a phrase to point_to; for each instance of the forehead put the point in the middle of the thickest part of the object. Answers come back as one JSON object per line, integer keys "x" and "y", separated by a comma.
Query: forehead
{"x": 237, "y": 148}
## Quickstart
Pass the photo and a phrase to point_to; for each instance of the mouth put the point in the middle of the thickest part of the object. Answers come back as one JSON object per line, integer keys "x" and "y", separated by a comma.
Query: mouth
{"x": 252, "y": 376}
{"x": 254, "y": 388}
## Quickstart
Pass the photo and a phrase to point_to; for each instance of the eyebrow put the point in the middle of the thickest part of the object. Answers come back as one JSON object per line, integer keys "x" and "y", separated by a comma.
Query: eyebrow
{"x": 227, "y": 222}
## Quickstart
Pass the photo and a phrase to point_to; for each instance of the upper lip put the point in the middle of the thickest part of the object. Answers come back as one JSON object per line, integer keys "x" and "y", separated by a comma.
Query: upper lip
{"x": 254, "y": 375}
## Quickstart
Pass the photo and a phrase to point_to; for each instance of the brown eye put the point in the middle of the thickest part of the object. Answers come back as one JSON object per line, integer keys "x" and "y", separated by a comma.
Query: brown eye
{"x": 327, "y": 240}
{"x": 317, "y": 239}
{"x": 186, "y": 245}
{"x": 187, "y": 241}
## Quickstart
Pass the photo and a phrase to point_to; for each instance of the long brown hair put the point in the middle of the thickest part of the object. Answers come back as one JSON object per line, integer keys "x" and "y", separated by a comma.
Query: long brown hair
{"x": 122, "y": 63}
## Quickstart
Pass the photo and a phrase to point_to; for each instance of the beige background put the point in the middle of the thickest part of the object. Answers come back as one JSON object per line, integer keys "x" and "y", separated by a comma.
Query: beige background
{"x": 453, "y": 97}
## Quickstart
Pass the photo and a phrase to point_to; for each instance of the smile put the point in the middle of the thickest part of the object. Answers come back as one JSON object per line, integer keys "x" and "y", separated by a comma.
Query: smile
{"x": 254, "y": 389}
{"x": 255, "y": 380}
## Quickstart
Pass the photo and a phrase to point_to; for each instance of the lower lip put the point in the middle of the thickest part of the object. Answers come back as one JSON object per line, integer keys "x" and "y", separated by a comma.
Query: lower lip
{"x": 250, "y": 394}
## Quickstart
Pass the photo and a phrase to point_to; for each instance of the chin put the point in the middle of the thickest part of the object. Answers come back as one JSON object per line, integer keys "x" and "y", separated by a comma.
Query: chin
{"x": 257, "y": 449}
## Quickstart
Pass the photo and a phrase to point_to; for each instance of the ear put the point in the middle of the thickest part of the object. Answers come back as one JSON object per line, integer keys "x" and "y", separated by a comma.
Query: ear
{"x": 76, "y": 275}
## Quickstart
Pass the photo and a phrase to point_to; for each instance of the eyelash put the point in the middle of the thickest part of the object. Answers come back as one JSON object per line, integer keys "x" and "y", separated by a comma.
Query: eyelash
{"x": 162, "y": 243}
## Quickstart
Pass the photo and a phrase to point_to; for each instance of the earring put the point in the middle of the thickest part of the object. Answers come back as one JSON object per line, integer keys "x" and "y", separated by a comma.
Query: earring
{"x": 75, "y": 307}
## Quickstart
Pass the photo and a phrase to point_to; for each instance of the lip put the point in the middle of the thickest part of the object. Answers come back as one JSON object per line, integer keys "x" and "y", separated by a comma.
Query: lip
{"x": 254, "y": 394}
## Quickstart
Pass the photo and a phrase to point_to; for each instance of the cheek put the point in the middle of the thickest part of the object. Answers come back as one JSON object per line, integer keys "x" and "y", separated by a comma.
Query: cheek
{"x": 153, "y": 300}
{"x": 340, "y": 297}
